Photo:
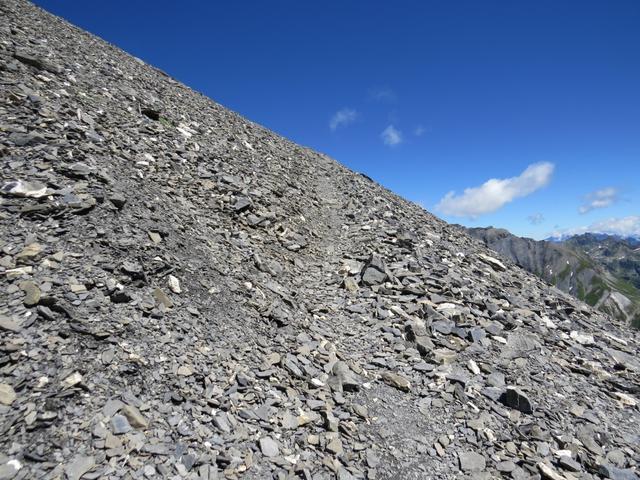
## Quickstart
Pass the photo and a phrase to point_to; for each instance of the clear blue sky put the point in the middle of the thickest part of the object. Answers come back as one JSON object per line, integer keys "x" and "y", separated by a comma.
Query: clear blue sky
{"x": 426, "y": 97}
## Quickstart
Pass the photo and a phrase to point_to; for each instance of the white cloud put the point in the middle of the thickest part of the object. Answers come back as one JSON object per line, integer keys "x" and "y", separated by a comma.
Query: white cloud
{"x": 391, "y": 136}
{"x": 383, "y": 95}
{"x": 495, "y": 193}
{"x": 419, "y": 131}
{"x": 535, "y": 219}
{"x": 624, "y": 227}
{"x": 342, "y": 118}
{"x": 599, "y": 199}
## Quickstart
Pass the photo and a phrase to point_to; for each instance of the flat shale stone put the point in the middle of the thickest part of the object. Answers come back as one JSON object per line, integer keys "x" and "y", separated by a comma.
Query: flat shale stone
{"x": 134, "y": 417}
{"x": 471, "y": 462}
{"x": 32, "y": 293}
{"x": 79, "y": 466}
{"x": 396, "y": 380}
{"x": 120, "y": 424}
{"x": 269, "y": 447}
{"x": 615, "y": 473}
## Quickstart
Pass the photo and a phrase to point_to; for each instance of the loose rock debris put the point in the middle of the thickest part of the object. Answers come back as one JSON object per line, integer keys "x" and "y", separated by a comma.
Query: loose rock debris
{"x": 187, "y": 295}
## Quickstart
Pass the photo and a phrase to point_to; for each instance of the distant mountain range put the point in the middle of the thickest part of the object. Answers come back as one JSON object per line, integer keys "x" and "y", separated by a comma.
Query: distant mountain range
{"x": 631, "y": 240}
{"x": 602, "y": 270}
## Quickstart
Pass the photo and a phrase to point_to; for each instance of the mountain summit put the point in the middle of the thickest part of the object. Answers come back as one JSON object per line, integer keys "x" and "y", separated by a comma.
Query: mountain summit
{"x": 187, "y": 295}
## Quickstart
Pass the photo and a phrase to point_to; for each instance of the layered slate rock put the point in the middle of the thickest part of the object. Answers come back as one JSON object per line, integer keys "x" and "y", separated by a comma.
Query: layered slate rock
{"x": 187, "y": 295}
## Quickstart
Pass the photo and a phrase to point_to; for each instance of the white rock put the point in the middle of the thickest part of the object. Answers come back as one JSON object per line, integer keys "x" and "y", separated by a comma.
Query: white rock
{"x": 19, "y": 188}
{"x": 548, "y": 323}
{"x": 582, "y": 338}
{"x": 548, "y": 472}
{"x": 473, "y": 366}
{"x": 563, "y": 453}
{"x": 72, "y": 380}
{"x": 626, "y": 400}
{"x": 446, "y": 306}
{"x": 174, "y": 284}
{"x": 494, "y": 262}
{"x": 7, "y": 394}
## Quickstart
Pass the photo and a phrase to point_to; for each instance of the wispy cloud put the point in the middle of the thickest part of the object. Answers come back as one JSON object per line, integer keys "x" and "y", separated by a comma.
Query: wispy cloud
{"x": 624, "y": 227}
{"x": 419, "y": 131}
{"x": 495, "y": 193}
{"x": 599, "y": 199}
{"x": 383, "y": 95}
{"x": 391, "y": 136}
{"x": 342, "y": 118}
{"x": 535, "y": 219}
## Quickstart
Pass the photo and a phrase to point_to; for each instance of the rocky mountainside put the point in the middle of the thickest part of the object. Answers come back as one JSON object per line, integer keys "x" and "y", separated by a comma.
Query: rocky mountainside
{"x": 187, "y": 295}
{"x": 602, "y": 271}
{"x": 621, "y": 256}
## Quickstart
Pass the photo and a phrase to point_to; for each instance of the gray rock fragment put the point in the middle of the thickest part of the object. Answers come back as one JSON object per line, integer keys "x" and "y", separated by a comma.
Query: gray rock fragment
{"x": 471, "y": 462}
{"x": 517, "y": 400}
{"x": 79, "y": 466}
{"x": 120, "y": 424}
{"x": 343, "y": 379}
{"x": 396, "y": 380}
{"x": 269, "y": 447}
{"x": 615, "y": 473}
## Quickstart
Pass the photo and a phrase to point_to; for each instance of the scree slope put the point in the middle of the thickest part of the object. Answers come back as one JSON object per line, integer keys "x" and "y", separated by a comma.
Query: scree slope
{"x": 185, "y": 294}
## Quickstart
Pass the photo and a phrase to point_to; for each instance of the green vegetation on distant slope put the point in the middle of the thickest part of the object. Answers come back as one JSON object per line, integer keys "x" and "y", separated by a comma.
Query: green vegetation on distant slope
{"x": 596, "y": 291}
{"x": 565, "y": 272}
{"x": 584, "y": 265}
{"x": 627, "y": 289}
